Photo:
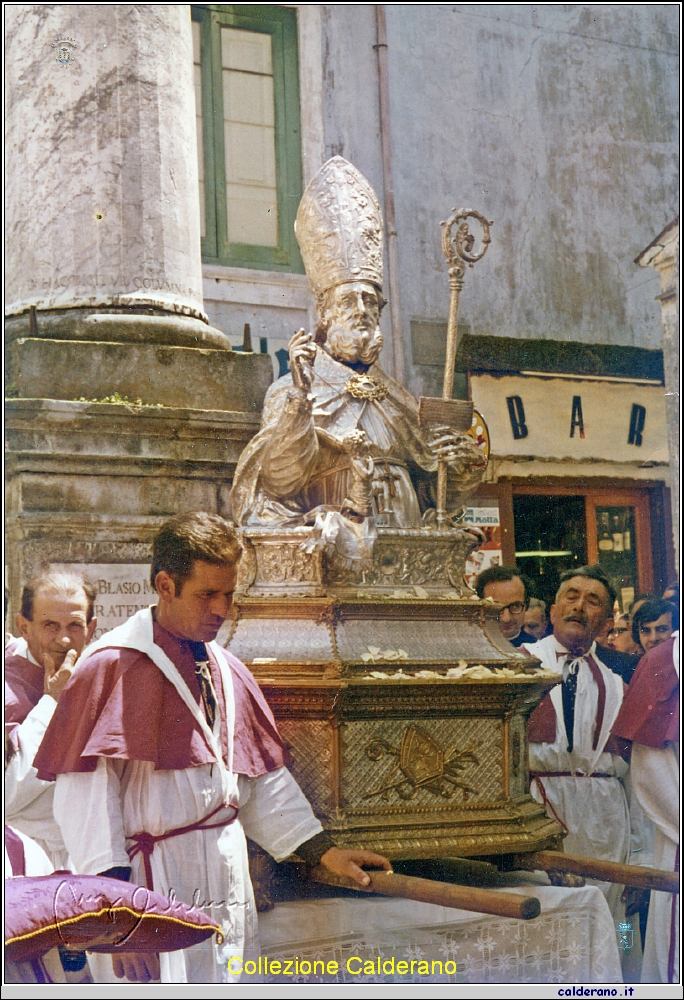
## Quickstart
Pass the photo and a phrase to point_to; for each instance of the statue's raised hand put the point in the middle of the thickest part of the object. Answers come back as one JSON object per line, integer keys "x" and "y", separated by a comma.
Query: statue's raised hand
{"x": 455, "y": 448}
{"x": 302, "y": 353}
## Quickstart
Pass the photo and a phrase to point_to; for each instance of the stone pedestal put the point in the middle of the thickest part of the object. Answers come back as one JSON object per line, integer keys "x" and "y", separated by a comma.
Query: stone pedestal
{"x": 90, "y": 483}
{"x": 156, "y": 375}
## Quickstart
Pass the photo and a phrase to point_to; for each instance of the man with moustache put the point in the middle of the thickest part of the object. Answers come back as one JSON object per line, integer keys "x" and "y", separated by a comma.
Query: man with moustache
{"x": 575, "y": 770}
{"x": 338, "y": 434}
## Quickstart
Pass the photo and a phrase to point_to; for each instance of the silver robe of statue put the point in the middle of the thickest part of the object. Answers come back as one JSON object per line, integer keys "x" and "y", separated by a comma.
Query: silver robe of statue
{"x": 297, "y": 463}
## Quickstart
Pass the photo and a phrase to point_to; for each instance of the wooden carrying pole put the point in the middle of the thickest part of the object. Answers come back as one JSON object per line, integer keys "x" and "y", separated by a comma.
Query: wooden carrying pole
{"x": 461, "y": 897}
{"x": 604, "y": 871}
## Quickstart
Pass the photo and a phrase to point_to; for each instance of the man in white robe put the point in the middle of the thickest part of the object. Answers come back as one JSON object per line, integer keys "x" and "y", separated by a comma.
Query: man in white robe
{"x": 55, "y": 624}
{"x": 649, "y": 720}
{"x": 170, "y": 739}
{"x": 572, "y": 769}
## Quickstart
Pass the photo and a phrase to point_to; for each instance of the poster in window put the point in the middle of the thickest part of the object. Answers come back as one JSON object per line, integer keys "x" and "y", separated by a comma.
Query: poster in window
{"x": 489, "y": 553}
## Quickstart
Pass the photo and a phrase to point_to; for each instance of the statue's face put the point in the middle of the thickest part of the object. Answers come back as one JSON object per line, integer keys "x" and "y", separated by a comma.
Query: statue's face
{"x": 353, "y": 315}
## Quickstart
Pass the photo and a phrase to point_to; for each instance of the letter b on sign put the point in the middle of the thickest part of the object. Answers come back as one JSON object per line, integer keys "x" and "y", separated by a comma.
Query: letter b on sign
{"x": 516, "y": 412}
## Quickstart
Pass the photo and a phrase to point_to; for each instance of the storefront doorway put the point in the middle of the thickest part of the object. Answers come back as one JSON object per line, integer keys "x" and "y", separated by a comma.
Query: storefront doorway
{"x": 549, "y": 538}
{"x": 558, "y": 527}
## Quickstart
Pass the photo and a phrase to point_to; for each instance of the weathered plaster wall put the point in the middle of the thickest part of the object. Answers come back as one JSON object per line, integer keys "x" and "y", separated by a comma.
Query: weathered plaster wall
{"x": 557, "y": 121}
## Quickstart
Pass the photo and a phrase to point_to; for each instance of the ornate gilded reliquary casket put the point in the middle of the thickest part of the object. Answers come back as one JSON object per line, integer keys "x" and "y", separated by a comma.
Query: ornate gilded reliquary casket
{"x": 403, "y": 707}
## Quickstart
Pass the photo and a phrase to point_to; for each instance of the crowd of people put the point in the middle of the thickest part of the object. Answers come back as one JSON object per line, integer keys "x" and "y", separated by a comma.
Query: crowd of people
{"x": 158, "y": 756}
{"x": 603, "y": 744}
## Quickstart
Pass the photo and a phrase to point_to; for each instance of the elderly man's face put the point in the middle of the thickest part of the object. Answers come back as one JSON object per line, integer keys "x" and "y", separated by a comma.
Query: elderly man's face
{"x": 58, "y": 623}
{"x": 579, "y": 613}
{"x": 353, "y": 311}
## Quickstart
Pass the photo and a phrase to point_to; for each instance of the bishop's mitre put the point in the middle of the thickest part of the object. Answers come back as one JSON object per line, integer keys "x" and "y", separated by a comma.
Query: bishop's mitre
{"x": 339, "y": 228}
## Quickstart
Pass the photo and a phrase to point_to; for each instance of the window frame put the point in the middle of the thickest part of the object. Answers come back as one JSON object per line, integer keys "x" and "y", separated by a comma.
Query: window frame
{"x": 623, "y": 494}
{"x": 281, "y": 24}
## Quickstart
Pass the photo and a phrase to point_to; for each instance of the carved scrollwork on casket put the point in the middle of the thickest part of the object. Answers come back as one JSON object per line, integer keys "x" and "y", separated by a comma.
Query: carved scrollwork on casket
{"x": 283, "y": 562}
{"x": 420, "y": 762}
{"x": 405, "y": 562}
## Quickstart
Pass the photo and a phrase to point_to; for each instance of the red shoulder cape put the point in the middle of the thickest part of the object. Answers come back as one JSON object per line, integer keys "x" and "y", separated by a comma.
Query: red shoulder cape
{"x": 650, "y": 711}
{"x": 118, "y": 704}
{"x": 23, "y": 689}
{"x": 541, "y": 725}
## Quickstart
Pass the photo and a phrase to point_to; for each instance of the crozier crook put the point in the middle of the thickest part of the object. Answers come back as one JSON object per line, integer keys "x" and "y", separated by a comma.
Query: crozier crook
{"x": 436, "y": 413}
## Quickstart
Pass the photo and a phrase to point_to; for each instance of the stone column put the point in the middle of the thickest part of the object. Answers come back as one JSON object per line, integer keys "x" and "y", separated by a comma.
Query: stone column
{"x": 663, "y": 254}
{"x": 116, "y": 420}
{"x": 103, "y": 224}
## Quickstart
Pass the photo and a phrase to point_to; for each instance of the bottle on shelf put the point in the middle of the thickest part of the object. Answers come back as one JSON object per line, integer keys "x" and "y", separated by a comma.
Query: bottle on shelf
{"x": 605, "y": 539}
{"x": 618, "y": 535}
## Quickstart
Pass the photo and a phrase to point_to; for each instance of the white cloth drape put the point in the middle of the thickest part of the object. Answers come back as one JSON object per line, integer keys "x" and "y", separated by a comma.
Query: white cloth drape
{"x": 572, "y": 941}
{"x": 28, "y": 800}
{"x": 595, "y": 810}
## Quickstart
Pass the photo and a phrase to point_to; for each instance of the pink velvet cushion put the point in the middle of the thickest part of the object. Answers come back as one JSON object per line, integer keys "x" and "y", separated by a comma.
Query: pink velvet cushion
{"x": 94, "y": 913}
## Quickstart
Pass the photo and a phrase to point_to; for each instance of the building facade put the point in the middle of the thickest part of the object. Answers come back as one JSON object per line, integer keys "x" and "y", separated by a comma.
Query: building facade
{"x": 158, "y": 154}
{"x": 573, "y": 165}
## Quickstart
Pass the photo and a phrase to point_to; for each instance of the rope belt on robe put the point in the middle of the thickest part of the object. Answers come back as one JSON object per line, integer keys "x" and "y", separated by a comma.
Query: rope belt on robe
{"x": 144, "y": 843}
{"x": 536, "y": 776}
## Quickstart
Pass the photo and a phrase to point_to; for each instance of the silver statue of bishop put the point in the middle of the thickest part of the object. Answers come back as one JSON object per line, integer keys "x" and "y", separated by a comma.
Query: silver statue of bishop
{"x": 338, "y": 434}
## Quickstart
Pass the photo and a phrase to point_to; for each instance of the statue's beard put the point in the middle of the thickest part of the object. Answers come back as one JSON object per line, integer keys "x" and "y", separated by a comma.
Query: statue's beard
{"x": 346, "y": 344}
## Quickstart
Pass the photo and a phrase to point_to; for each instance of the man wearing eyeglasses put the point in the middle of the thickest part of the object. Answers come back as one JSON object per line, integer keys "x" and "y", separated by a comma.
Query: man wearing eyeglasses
{"x": 506, "y": 585}
{"x": 575, "y": 769}
{"x": 617, "y": 650}
{"x": 620, "y": 637}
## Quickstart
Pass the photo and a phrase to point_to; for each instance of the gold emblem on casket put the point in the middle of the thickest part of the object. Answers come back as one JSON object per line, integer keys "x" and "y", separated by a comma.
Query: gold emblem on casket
{"x": 423, "y": 764}
{"x": 366, "y": 387}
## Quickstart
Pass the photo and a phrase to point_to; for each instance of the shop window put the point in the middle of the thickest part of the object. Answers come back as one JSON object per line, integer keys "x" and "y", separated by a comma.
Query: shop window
{"x": 556, "y": 528}
{"x": 248, "y": 131}
{"x": 617, "y": 551}
{"x": 549, "y": 538}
